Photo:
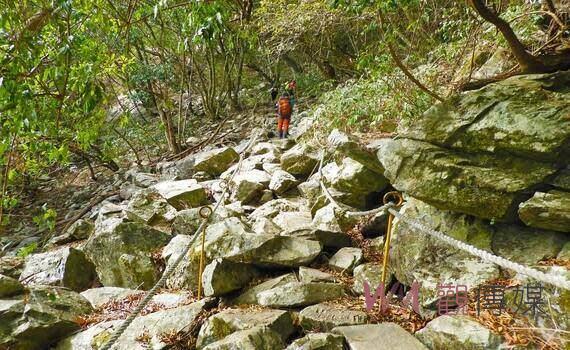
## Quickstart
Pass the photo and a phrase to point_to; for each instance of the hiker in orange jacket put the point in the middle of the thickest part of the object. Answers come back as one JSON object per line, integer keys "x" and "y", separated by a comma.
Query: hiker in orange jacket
{"x": 284, "y": 110}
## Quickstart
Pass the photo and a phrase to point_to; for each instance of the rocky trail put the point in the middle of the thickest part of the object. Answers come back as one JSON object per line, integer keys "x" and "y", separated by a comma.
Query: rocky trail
{"x": 283, "y": 268}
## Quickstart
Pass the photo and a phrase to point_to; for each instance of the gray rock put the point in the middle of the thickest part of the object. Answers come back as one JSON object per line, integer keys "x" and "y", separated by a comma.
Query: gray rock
{"x": 299, "y": 161}
{"x": 329, "y": 219}
{"x": 318, "y": 341}
{"x": 346, "y": 259}
{"x": 549, "y": 211}
{"x": 40, "y": 318}
{"x": 222, "y": 276}
{"x": 81, "y": 229}
{"x": 266, "y": 196}
{"x": 271, "y": 209}
{"x": 187, "y": 221}
{"x": 293, "y": 220}
{"x": 11, "y": 266}
{"x": 417, "y": 257}
{"x": 526, "y": 245}
{"x": 256, "y": 338}
{"x": 266, "y": 226}
{"x": 350, "y": 148}
{"x": 149, "y": 207}
{"x": 247, "y": 187}
{"x": 325, "y": 317}
{"x": 9, "y": 286}
{"x": 297, "y": 294}
{"x": 370, "y": 336}
{"x": 222, "y": 324}
{"x": 306, "y": 274}
{"x": 64, "y": 267}
{"x": 216, "y": 161}
{"x": 182, "y": 194}
{"x": 562, "y": 180}
{"x": 249, "y": 296}
{"x": 457, "y": 332}
{"x": 145, "y": 332}
{"x": 281, "y": 182}
{"x": 370, "y": 273}
{"x": 122, "y": 254}
{"x": 100, "y": 296}
{"x": 564, "y": 252}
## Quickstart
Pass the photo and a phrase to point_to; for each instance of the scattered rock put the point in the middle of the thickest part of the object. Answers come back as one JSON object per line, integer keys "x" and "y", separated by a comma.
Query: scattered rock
{"x": 248, "y": 186}
{"x": 148, "y": 207}
{"x": 297, "y": 294}
{"x": 350, "y": 148}
{"x": 100, "y": 296}
{"x": 123, "y": 254}
{"x": 81, "y": 229}
{"x": 318, "y": 341}
{"x": 281, "y": 182}
{"x": 293, "y": 220}
{"x": 325, "y": 317}
{"x": 216, "y": 161}
{"x": 9, "y": 286}
{"x": 346, "y": 259}
{"x": 457, "y": 332}
{"x": 40, "y": 318}
{"x": 306, "y": 274}
{"x": 222, "y": 276}
{"x": 250, "y": 295}
{"x": 258, "y": 338}
{"x": 370, "y": 273}
{"x": 549, "y": 211}
{"x": 299, "y": 161}
{"x": 390, "y": 335}
{"x": 64, "y": 267}
{"x": 182, "y": 194}
{"x": 222, "y": 324}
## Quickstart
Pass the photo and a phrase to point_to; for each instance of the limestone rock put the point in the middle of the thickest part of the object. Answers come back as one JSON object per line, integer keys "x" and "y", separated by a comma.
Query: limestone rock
{"x": 324, "y": 317}
{"x": 281, "y": 182}
{"x": 248, "y": 186}
{"x": 417, "y": 257}
{"x": 299, "y": 161}
{"x": 148, "y": 207}
{"x": 102, "y": 295}
{"x": 258, "y": 338}
{"x": 526, "y": 245}
{"x": 564, "y": 252}
{"x": 306, "y": 274}
{"x": 296, "y": 294}
{"x": 350, "y": 148}
{"x": 370, "y": 336}
{"x": 346, "y": 259}
{"x": 293, "y": 220}
{"x": 457, "y": 332}
{"x": 9, "y": 286}
{"x": 266, "y": 226}
{"x": 318, "y": 341}
{"x": 64, "y": 267}
{"x": 370, "y": 273}
{"x": 145, "y": 332}
{"x": 216, "y": 161}
{"x": 182, "y": 194}
{"x": 122, "y": 254}
{"x": 187, "y": 221}
{"x": 222, "y": 276}
{"x": 329, "y": 219}
{"x": 229, "y": 321}
{"x": 250, "y": 295}
{"x": 48, "y": 314}
{"x": 549, "y": 211}
{"x": 81, "y": 229}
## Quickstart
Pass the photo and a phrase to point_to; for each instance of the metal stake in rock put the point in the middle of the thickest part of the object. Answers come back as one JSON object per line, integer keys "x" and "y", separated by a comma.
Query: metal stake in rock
{"x": 388, "y": 198}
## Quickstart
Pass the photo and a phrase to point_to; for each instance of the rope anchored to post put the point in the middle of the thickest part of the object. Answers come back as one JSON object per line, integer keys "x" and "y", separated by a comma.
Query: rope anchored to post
{"x": 386, "y": 200}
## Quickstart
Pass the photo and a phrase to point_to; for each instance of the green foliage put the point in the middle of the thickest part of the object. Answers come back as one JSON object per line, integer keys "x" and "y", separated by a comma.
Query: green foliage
{"x": 27, "y": 250}
{"x": 46, "y": 220}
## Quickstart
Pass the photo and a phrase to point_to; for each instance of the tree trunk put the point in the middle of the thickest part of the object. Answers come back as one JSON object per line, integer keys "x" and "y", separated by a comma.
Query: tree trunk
{"x": 527, "y": 62}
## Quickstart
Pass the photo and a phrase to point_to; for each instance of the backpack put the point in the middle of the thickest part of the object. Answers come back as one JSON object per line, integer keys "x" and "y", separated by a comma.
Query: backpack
{"x": 284, "y": 107}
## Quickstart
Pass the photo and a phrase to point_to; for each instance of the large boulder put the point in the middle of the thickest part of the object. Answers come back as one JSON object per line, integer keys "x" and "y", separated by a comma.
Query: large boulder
{"x": 457, "y": 332}
{"x": 299, "y": 161}
{"x": 182, "y": 194}
{"x": 549, "y": 211}
{"x": 370, "y": 336}
{"x": 281, "y": 182}
{"x": 64, "y": 267}
{"x": 484, "y": 151}
{"x": 346, "y": 259}
{"x": 103, "y": 295}
{"x": 229, "y": 321}
{"x": 250, "y": 295}
{"x": 417, "y": 257}
{"x": 258, "y": 338}
{"x": 370, "y": 273}
{"x": 248, "y": 186}
{"x": 40, "y": 318}
{"x": 349, "y": 147}
{"x": 187, "y": 221}
{"x": 325, "y": 317}
{"x": 123, "y": 254}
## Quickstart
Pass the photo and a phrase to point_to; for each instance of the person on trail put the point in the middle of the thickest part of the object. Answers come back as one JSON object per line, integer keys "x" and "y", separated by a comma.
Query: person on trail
{"x": 284, "y": 110}
{"x": 291, "y": 89}
{"x": 274, "y": 92}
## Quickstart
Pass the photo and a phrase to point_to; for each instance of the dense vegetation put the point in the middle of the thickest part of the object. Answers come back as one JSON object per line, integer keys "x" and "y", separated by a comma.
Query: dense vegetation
{"x": 107, "y": 83}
